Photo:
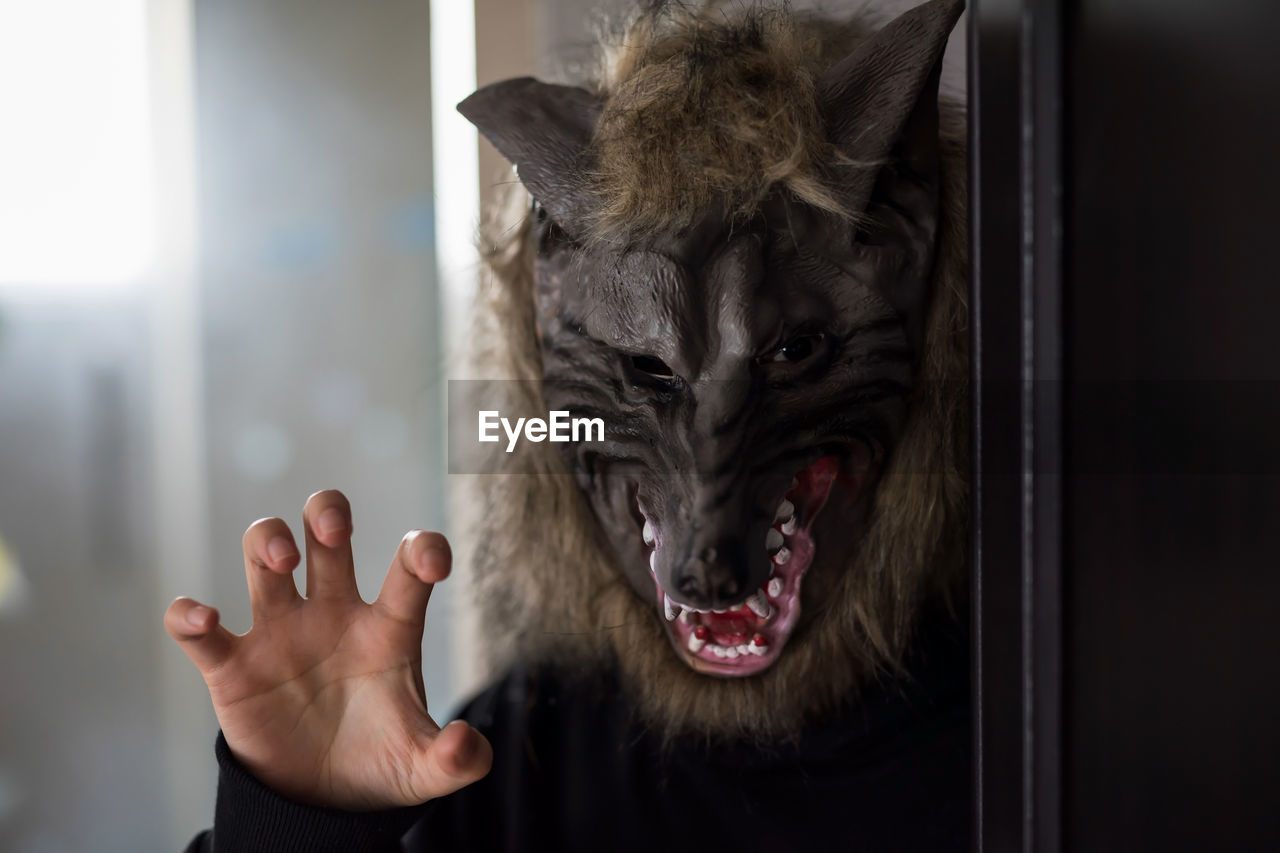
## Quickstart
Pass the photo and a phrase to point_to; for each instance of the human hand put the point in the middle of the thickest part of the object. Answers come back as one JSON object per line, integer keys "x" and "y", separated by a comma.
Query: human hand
{"x": 322, "y": 699}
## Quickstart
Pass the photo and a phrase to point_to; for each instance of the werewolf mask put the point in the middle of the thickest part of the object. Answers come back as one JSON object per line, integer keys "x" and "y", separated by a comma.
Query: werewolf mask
{"x": 743, "y": 255}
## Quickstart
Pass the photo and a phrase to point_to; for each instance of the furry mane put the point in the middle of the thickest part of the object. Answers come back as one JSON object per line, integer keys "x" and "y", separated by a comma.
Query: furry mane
{"x": 707, "y": 106}
{"x": 724, "y": 102}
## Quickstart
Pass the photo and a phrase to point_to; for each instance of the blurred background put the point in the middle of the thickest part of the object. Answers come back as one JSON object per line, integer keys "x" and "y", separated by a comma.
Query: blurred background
{"x": 235, "y": 263}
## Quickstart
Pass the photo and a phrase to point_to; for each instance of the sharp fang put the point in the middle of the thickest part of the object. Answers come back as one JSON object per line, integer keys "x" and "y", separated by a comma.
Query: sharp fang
{"x": 695, "y": 644}
{"x": 786, "y": 509}
{"x": 647, "y": 533}
{"x": 653, "y": 562}
{"x": 772, "y": 540}
{"x": 670, "y": 608}
{"x": 789, "y": 526}
{"x": 784, "y": 554}
{"x": 775, "y": 587}
{"x": 759, "y": 605}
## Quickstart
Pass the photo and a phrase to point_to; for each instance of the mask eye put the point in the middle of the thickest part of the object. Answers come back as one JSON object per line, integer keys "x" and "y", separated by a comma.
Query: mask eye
{"x": 653, "y": 366}
{"x": 797, "y": 349}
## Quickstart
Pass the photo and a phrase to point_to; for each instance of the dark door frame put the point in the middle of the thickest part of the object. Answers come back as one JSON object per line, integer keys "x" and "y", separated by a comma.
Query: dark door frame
{"x": 1016, "y": 217}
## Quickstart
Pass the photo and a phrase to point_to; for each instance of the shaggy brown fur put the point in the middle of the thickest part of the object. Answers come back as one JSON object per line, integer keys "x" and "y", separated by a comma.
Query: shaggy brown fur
{"x": 545, "y": 576}
{"x": 705, "y": 108}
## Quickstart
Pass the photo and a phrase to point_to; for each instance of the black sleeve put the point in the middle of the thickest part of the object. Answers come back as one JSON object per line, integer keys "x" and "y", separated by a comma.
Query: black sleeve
{"x": 251, "y": 818}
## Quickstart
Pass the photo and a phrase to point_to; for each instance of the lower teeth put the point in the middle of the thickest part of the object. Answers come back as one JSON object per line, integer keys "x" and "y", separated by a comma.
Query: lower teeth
{"x": 730, "y": 652}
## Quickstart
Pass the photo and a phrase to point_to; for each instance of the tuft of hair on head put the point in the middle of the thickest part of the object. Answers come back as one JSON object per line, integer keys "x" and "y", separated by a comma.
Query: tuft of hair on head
{"x": 712, "y": 107}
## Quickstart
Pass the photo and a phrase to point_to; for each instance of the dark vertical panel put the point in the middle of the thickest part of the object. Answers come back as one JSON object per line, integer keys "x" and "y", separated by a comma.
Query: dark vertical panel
{"x": 994, "y": 218}
{"x": 1173, "y": 493}
{"x": 993, "y": 222}
{"x": 1015, "y": 101}
{"x": 1043, "y": 283}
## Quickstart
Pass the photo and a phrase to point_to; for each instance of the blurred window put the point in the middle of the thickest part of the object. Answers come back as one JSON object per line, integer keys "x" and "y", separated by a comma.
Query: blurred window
{"x": 75, "y": 147}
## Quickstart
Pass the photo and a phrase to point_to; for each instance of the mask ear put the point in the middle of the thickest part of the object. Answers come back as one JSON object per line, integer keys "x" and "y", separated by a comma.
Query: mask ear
{"x": 881, "y": 106}
{"x": 881, "y": 101}
{"x": 544, "y": 130}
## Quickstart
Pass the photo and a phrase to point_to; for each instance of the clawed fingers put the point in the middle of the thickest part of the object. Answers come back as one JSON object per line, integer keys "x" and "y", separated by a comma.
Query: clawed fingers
{"x": 330, "y": 568}
{"x": 330, "y": 660}
{"x": 422, "y": 559}
{"x": 270, "y": 557}
{"x": 196, "y": 628}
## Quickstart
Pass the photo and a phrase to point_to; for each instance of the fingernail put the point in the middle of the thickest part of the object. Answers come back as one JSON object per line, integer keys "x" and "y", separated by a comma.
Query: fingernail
{"x": 466, "y": 747}
{"x": 331, "y": 521}
{"x": 427, "y": 555}
{"x": 197, "y": 615}
{"x": 279, "y": 549}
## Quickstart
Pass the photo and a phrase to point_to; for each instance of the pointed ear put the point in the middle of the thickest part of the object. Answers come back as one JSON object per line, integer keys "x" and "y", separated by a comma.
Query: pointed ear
{"x": 543, "y": 129}
{"x": 881, "y": 101}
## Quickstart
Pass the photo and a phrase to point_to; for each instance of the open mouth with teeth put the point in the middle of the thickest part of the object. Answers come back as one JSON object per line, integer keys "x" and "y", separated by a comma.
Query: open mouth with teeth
{"x": 748, "y": 637}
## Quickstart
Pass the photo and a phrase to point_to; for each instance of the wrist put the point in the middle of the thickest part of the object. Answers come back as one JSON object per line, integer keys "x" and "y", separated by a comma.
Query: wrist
{"x": 252, "y": 816}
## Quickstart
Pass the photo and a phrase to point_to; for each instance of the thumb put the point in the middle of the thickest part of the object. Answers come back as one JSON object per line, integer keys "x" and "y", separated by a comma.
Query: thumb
{"x": 454, "y": 757}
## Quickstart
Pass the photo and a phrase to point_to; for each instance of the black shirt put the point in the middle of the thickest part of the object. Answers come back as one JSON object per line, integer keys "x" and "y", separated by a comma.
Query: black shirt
{"x": 574, "y": 771}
